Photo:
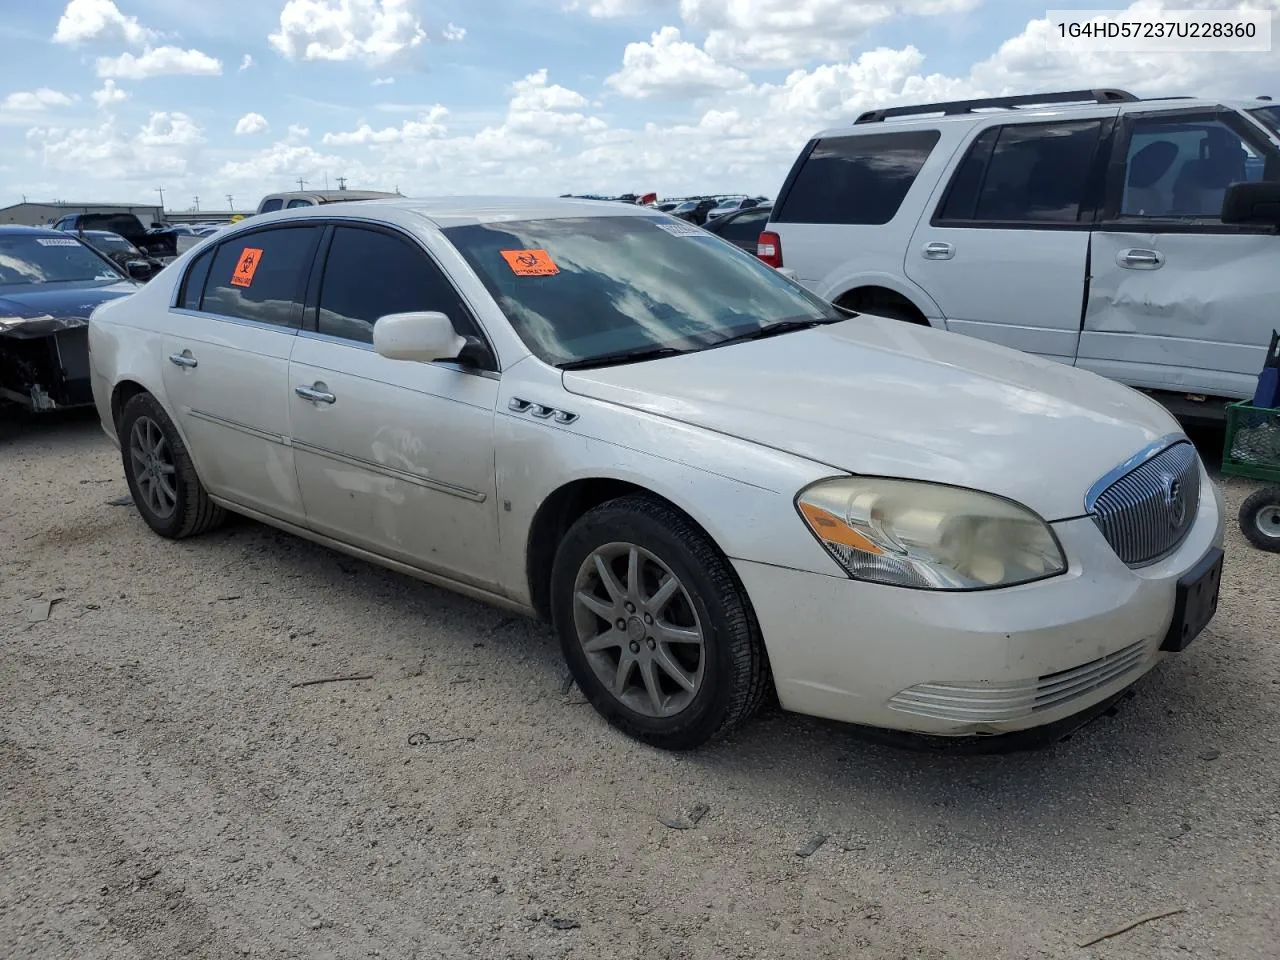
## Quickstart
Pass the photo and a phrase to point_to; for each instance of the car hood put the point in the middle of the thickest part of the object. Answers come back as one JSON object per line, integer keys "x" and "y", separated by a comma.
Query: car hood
{"x": 39, "y": 310}
{"x": 882, "y": 397}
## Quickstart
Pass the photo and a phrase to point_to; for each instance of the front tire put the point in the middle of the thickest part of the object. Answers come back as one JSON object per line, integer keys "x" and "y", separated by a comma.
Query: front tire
{"x": 655, "y": 626}
{"x": 161, "y": 476}
{"x": 1260, "y": 519}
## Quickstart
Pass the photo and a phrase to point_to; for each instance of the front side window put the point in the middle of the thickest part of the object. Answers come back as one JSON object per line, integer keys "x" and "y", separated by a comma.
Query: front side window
{"x": 1028, "y": 173}
{"x": 369, "y": 274}
{"x": 857, "y": 179}
{"x": 260, "y": 276}
{"x": 583, "y": 288}
{"x": 39, "y": 260}
{"x": 1181, "y": 167}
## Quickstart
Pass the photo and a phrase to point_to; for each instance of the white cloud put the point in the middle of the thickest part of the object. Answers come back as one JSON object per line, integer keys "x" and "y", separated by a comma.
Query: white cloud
{"x": 158, "y": 62}
{"x": 167, "y": 146}
{"x": 539, "y": 107}
{"x": 606, "y": 9}
{"x": 246, "y": 62}
{"x": 84, "y": 20}
{"x": 40, "y": 99}
{"x": 383, "y": 81}
{"x": 251, "y": 123}
{"x": 428, "y": 125}
{"x": 298, "y": 132}
{"x": 671, "y": 67}
{"x": 793, "y": 32}
{"x": 453, "y": 32}
{"x": 373, "y": 31}
{"x": 108, "y": 95}
{"x": 170, "y": 130}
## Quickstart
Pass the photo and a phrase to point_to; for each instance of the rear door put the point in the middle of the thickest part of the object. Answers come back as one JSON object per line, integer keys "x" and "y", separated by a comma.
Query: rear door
{"x": 1179, "y": 300}
{"x": 1004, "y": 250}
{"x": 394, "y": 456}
{"x": 226, "y": 370}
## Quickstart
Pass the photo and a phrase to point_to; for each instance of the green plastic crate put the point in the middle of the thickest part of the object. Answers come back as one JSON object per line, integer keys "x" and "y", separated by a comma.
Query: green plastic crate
{"x": 1252, "y": 445}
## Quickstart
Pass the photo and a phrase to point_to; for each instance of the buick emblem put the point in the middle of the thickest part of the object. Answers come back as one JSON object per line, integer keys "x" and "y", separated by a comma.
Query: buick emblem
{"x": 1174, "y": 502}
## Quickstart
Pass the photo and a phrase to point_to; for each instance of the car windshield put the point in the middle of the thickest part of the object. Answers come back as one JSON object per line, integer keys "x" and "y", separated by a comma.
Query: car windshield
{"x": 1269, "y": 116}
{"x": 25, "y": 260}
{"x": 578, "y": 289}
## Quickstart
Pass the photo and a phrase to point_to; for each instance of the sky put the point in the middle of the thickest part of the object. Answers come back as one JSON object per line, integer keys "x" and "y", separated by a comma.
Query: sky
{"x": 108, "y": 100}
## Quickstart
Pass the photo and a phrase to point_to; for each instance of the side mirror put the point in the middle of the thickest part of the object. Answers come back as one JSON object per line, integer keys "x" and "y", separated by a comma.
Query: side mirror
{"x": 1252, "y": 203}
{"x": 424, "y": 337}
{"x": 138, "y": 269}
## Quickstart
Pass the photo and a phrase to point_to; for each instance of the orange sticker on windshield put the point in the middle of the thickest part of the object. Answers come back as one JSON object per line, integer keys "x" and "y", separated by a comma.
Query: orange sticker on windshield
{"x": 246, "y": 267}
{"x": 530, "y": 263}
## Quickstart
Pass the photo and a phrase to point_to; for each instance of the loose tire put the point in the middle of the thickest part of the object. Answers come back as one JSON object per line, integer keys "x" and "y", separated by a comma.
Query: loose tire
{"x": 655, "y": 626}
{"x": 1260, "y": 519}
{"x": 161, "y": 476}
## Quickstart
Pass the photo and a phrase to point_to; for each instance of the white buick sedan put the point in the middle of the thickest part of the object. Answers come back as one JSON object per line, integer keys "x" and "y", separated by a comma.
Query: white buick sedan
{"x": 709, "y": 481}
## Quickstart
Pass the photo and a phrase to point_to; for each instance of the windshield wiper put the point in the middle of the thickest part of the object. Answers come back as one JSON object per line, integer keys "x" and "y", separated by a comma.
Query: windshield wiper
{"x": 773, "y": 329}
{"x": 621, "y": 356}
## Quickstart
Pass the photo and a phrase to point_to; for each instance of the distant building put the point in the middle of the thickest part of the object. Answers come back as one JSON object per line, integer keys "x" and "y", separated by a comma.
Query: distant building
{"x": 40, "y": 214}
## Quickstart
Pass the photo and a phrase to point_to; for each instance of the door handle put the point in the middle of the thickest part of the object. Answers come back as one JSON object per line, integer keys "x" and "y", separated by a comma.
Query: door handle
{"x": 183, "y": 359}
{"x": 1140, "y": 259}
{"x": 938, "y": 250}
{"x": 316, "y": 393}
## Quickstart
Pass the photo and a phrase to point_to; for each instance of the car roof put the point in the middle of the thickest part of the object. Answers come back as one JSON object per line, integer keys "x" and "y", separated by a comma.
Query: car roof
{"x": 19, "y": 230}
{"x": 458, "y": 211}
{"x": 1031, "y": 114}
{"x": 334, "y": 195}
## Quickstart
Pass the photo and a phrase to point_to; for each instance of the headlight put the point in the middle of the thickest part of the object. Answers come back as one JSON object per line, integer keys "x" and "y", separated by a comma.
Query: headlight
{"x": 925, "y": 535}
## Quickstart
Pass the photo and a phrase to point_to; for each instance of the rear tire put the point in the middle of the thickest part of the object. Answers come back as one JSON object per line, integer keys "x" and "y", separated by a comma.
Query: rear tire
{"x": 1260, "y": 519}
{"x": 160, "y": 473}
{"x": 634, "y": 581}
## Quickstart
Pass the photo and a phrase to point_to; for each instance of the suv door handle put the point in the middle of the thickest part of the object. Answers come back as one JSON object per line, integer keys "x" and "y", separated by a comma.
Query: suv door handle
{"x": 316, "y": 393}
{"x": 938, "y": 250}
{"x": 1140, "y": 259}
{"x": 183, "y": 359}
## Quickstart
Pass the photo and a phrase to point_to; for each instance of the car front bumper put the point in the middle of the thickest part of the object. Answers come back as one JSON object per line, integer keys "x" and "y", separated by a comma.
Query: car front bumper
{"x": 976, "y": 663}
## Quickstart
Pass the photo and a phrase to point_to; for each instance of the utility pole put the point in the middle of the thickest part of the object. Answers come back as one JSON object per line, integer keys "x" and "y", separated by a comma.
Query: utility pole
{"x": 326, "y": 183}
{"x": 342, "y": 183}
{"x": 197, "y": 202}
{"x": 231, "y": 203}
{"x": 160, "y": 190}
{"x": 302, "y": 184}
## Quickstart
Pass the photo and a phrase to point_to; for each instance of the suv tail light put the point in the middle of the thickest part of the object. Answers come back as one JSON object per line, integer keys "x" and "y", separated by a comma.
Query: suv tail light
{"x": 769, "y": 249}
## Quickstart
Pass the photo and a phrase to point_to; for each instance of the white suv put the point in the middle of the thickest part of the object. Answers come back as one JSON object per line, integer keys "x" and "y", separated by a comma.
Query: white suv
{"x": 1084, "y": 226}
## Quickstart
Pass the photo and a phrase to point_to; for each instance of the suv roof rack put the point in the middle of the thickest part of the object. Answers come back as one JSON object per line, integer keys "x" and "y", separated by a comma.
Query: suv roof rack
{"x": 954, "y": 107}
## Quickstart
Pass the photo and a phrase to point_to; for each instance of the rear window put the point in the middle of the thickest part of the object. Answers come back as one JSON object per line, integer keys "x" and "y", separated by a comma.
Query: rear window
{"x": 857, "y": 179}
{"x": 580, "y": 288}
{"x": 1270, "y": 117}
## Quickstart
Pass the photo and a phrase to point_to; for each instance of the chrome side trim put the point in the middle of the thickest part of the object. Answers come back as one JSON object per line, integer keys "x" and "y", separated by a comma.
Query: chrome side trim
{"x": 1152, "y": 449}
{"x": 337, "y": 341}
{"x": 241, "y": 427}
{"x": 237, "y": 321}
{"x": 391, "y": 472}
{"x": 540, "y": 411}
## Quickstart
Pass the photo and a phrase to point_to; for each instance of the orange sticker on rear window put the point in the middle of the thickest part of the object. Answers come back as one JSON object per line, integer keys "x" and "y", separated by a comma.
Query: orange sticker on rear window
{"x": 246, "y": 267}
{"x": 530, "y": 263}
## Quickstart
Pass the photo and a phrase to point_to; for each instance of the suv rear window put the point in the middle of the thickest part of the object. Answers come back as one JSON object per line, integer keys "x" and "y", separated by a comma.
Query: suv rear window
{"x": 856, "y": 179}
{"x": 1037, "y": 173}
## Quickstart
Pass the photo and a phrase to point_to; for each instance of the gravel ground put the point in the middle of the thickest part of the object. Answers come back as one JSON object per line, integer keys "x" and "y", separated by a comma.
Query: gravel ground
{"x": 165, "y": 791}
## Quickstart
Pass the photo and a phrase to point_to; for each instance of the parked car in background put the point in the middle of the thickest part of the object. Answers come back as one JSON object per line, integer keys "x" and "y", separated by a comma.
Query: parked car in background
{"x": 134, "y": 263}
{"x": 731, "y": 205}
{"x": 1134, "y": 238}
{"x": 49, "y": 284}
{"x": 292, "y": 200}
{"x": 160, "y": 242}
{"x": 695, "y": 211}
{"x": 708, "y": 479}
{"x": 743, "y": 227}
{"x": 667, "y": 206}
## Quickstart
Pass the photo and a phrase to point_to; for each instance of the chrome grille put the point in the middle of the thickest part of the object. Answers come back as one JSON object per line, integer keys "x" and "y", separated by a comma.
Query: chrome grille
{"x": 1148, "y": 510}
{"x": 1012, "y": 700}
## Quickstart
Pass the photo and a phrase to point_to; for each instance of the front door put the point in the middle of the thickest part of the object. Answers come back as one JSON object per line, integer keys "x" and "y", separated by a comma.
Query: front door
{"x": 1005, "y": 251}
{"x": 226, "y": 368}
{"x": 393, "y": 456}
{"x": 1179, "y": 300}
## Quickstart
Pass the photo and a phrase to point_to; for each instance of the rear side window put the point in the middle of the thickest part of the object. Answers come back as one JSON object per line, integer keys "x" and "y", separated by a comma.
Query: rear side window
{"x": 857, "y": 180}
{"x": 1030, "y": 173}
{"x": 193, "y": 284}
{"x": 262, "y": 276}
{"x": 369, "y": 274}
